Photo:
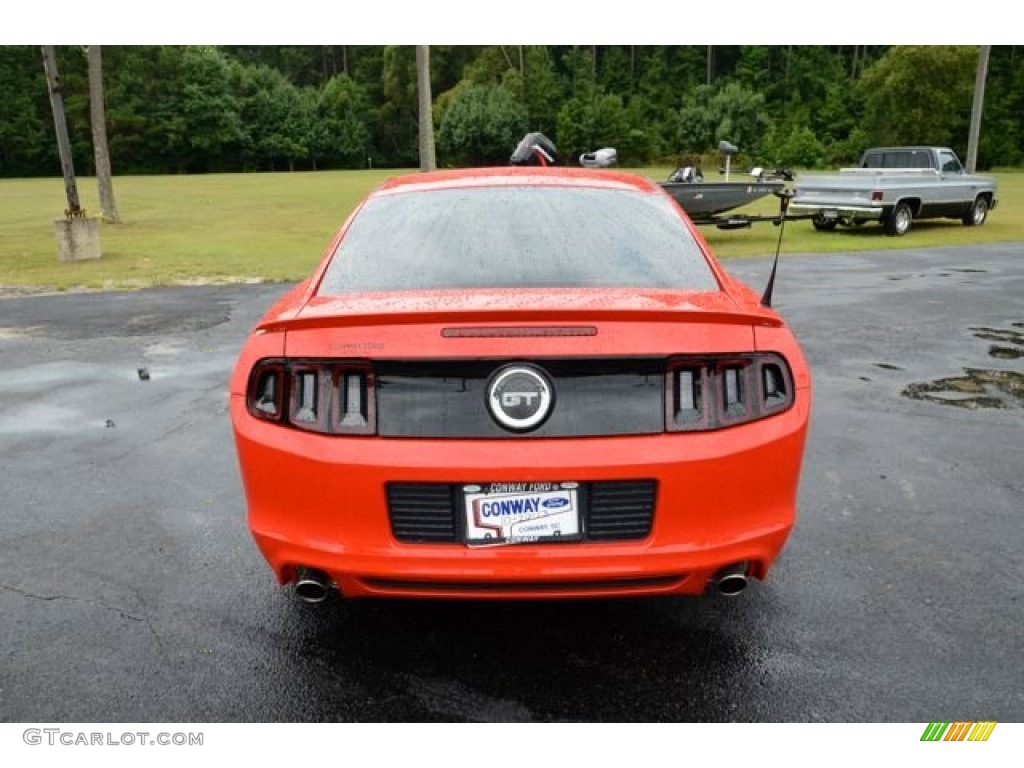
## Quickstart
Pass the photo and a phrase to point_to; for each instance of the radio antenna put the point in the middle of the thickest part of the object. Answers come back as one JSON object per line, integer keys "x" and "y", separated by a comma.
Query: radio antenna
{"x": 784, "y": 195}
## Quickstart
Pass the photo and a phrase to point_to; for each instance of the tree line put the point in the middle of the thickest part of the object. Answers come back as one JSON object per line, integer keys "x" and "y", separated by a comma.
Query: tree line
{"x": 178, "y": 109}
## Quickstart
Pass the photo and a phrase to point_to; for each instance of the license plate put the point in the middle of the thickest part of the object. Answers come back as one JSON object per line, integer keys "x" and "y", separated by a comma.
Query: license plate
{"x": 521, "y": 513}
{"x": 829, "y": 215}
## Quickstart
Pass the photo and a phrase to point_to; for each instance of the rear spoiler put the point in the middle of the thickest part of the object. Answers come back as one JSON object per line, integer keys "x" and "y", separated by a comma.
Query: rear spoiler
{"x": 306, "y": 320}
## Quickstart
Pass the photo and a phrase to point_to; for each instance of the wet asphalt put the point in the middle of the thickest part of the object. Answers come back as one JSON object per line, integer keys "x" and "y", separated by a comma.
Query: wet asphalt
{"x": 131, "y": 591}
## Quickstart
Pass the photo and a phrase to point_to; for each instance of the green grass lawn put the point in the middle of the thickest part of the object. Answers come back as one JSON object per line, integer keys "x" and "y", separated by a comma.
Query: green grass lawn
{"x": 228, "y": 227}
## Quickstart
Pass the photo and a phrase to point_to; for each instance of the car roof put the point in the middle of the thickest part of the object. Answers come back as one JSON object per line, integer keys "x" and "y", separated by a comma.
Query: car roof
{"x": 517, "y": 176}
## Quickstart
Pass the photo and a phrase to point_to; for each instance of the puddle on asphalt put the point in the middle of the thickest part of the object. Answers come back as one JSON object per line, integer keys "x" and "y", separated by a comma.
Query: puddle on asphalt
{"x": 1005, "y": 353}
{"x": 978, "y": 387}
{"x": 1004, "y": 335}
{"x": 936, "y": 274}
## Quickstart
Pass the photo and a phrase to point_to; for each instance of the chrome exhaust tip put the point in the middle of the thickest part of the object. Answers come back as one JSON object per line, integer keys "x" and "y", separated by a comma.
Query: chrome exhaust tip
{"x": 731, "y": 580}
{"x": 311, "y": 586}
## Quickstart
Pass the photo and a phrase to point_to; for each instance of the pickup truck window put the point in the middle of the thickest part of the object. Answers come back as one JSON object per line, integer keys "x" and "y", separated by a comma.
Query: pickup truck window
{"x": 899, "y": 158}
{"x": 949, "y": 163}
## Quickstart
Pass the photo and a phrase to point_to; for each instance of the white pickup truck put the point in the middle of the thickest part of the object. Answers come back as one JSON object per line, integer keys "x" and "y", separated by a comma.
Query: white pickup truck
{"x": 896, "y": 185}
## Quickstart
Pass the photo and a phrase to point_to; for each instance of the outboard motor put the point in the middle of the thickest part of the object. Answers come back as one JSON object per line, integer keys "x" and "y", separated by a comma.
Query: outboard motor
{"x": 602, "y": 158}
{"x": 535, "y": 149}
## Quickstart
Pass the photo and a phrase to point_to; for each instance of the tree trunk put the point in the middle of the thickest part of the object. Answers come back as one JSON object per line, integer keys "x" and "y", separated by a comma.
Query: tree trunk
{"x": 976, "y": 108}
{"x": 426, "y": 115}
{"x": 632, "y": 68}
{"x": 60, "y": 125}
{"x": 574, "y": 68}
{"x": 98, "y": 118}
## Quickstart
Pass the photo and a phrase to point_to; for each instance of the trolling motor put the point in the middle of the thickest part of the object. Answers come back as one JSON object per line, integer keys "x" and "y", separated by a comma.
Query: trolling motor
{"x": 772, "y": 174}
{"x": 535, "y": 149}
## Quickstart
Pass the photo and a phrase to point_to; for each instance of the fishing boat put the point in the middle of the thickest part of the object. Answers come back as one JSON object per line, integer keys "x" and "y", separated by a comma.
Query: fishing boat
{"x": 704, "y": 200}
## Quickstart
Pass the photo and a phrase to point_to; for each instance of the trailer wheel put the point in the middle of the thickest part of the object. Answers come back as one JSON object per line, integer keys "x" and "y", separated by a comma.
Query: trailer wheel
{"x": 822, "y": 224}
{"x": 898, "y": 222}
{"x": 978, "y": 213}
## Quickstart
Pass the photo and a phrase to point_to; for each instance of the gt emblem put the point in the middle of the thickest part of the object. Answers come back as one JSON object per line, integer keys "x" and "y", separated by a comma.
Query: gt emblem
{"x": 520, "y": 397}
{"x": 512, "y": 399}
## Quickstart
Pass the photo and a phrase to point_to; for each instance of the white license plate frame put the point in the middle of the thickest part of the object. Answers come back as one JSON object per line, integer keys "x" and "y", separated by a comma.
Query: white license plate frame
{"x": 501, "y": 514}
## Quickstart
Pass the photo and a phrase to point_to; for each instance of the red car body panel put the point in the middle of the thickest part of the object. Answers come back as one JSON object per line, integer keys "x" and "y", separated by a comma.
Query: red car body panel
{"x": 724, "y": 496}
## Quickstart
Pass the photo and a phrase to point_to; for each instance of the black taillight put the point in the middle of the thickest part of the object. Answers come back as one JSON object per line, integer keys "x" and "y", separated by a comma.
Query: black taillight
{"x": 733, "y": 390}
{"x": 328, "y": 396}
{"x": 306, "y": 409}
{"x": 776, "y": 386}
{"x": 353, "y": 404}
{"x": 265, "y": 397}
{"x": 687, "y": 395}
{"x": 713, "y": 392}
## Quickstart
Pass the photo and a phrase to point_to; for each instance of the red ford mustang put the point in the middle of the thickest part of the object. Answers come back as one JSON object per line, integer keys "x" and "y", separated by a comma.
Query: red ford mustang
{"x": 520, "y": 383}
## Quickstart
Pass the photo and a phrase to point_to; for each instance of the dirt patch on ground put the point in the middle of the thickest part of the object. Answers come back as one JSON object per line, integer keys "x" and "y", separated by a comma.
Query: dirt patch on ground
{"x": 20, "y": 291}
{"x": 16, "y": 333}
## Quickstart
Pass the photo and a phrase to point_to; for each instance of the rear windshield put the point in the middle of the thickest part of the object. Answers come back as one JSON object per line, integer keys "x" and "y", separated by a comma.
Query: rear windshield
{"x": 902, "y": 158}
{"x": 501, "y": 237}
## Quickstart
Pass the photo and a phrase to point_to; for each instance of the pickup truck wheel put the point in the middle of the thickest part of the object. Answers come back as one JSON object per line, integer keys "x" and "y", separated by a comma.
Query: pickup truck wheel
{"x": 822, "y": 224}
{"x": 898, "y": 222}
{"x": 978, "y": 213}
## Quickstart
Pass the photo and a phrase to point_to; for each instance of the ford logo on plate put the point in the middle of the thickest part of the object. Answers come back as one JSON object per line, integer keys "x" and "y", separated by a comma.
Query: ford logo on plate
{"x": 556, "y": 503}
{"x": 520, "y": 397}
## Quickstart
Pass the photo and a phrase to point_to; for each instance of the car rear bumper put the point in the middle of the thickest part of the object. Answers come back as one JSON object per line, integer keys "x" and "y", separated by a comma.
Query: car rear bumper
{"x": 723, "y": 497}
